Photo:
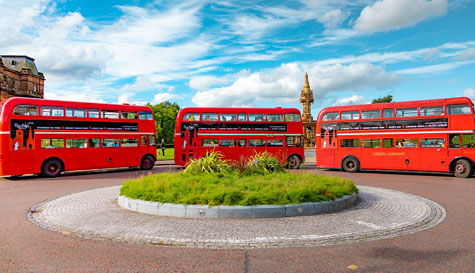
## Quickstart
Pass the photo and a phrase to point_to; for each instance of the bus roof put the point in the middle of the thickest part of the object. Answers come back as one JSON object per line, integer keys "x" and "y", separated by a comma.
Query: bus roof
{"x": 44, "y": 102}
{"x": 403, "y": 104}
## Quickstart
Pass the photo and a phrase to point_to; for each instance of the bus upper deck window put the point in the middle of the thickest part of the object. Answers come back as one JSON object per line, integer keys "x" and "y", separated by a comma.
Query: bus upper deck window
{"x": 388, "y": 113}
{"x": 406, "y": 112}
{"x": 190, "y": 116}
{"x": 114, "y": 114}
{"x": 275, "y": 117}
{"x": 458, "y": 109}
{"x": 242, "y": 117}
{"x": 372, "y": 114}
{"x": 228, "y": 117}
{"x": 292, "y": 117}
{"x": 73, "y": 112}
{"x": 128, "y": 115}
{"x": 432, "y": 111}
{"x": 52, "y": 111}
{"x": 145, "y": 116}
{"x": 209, "y": 117}
{"x": 350, "y": 115}
{"x": 331, "y": 116}
{"x": 94, "y": 113}
{"x": 257, "y": 117}
{"x": 26, "y": 110}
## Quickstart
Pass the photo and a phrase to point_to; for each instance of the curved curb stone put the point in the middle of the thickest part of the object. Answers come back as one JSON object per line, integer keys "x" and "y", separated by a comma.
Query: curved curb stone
{"x": 379, "y": 214}
{"x": 237, "y": 212}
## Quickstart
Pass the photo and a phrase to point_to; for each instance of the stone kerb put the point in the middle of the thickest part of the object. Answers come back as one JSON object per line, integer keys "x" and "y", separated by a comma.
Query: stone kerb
{"x": 237, "y": 212}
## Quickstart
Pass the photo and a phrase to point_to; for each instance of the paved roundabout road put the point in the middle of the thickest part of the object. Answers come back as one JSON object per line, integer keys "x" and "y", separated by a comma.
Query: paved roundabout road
{"x": 444, "y": 246}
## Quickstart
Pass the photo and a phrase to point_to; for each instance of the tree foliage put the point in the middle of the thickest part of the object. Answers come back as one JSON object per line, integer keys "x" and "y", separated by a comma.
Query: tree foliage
{"x": 388, "y": 98}
{"x": 165, "y": 117}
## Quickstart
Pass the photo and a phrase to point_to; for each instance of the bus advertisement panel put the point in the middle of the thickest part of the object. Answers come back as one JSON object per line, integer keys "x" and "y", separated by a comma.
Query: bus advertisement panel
{"x": 239, "y": 133}
{"x": 428, "y": 135}
{"x": 49, "y": 137}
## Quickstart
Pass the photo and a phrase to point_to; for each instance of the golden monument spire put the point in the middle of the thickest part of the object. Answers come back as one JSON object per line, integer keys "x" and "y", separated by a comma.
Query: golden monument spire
{"x": 306, "y": 98}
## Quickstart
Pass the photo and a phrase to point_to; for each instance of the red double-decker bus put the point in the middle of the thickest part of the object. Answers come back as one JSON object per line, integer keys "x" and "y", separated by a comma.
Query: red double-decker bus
{"x": 427, "y": 135}
{"x": 238, "y": 133}
{"x": 49, "y": 137}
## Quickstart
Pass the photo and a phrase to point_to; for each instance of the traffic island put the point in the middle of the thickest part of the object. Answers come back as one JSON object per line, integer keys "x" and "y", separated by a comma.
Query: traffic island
{"x": 237, "y": 212}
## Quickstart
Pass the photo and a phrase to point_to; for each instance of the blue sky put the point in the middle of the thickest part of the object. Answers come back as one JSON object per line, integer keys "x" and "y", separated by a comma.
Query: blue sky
{"x": 245, "y": 53}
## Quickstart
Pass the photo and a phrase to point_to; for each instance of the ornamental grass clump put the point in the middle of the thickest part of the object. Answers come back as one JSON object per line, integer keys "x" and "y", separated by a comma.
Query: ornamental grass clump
{"x": 263, "y": 163}
{"x": 213, "y": 162}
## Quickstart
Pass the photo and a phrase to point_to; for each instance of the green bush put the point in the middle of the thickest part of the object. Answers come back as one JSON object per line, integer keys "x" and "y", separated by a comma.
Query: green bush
{"x": 234, "y": 188}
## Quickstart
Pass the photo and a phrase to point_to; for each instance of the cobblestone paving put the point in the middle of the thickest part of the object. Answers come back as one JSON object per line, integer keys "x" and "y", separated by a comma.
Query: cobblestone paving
{"x": 379, "y": 214}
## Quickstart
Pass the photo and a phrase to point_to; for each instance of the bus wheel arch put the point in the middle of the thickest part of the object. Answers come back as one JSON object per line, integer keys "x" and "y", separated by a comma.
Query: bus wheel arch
{"x": 294, "y": 161}
{"x": 52, "y": 167}
{"x": 350, "y": 164}
{"x": 462, "y": 167}
{"x": 147, "y": 162}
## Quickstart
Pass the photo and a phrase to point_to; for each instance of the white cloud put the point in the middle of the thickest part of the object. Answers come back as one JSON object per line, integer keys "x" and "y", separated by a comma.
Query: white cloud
{"x": 469, "y": 92}
{"x": 386, "y": 15}
{"x": 333, "y": 18}
{"x": 204, "y": 82}
{"x": 355, "y": 99}
{"x": 434, "y": 69}
{"x": 466, "y": 54}
{"x": 72, "y": 96}
{"x": 284, "y": 83}
{"x": 162, "y": 97}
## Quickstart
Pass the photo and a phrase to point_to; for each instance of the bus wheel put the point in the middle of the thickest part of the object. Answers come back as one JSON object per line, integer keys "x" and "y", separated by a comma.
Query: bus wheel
{"x": 351, "y": 165}
{"x": 147, "y": 162}
{"x": 52, "y": 168}
{"x": 462, "y": 168}
{"x": 293, "y": 162}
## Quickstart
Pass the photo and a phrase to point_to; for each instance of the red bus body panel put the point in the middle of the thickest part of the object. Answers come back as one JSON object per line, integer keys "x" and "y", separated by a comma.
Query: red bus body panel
{"x": 332, "y": 134}
{"x": 21, "y": 149}
{"x": 189, "y": 135}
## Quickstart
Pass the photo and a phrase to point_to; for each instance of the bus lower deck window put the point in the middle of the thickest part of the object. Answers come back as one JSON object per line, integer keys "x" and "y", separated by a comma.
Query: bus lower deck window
{"x": 388, "y": 143}
{"x": 129, "y": 142}
{"x": 110, "y": 142}
{"x": 76, "y": 143}
{"x": 350, "y": 143}
{"x": 242, "y": 143}
{"x": 406, "y": 143}
{"x": 468, "y": 140}
{"x": 257, "y": 142}
{"x": 94, "y": 143}
{"x": 290, "y": 141}
{"x": 209, "y": 142}
{"x": 227, "y": 143}
{"x": 275, "y": 142}
{"x": 47, "y": 143}
{"x": 371, "y": 143}
{"x": 432, "y": 143}
{"x": 152, "y": 140}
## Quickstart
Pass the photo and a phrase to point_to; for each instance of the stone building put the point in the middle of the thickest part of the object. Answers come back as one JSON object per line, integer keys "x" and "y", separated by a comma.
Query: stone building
{"x": 19, "y": 77}
{"x": 309, "y": 125}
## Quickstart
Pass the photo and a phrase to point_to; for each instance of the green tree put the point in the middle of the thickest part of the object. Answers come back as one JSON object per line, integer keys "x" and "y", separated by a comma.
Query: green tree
{"x": 165, "y": 117}
{"x": 388, "y": 98}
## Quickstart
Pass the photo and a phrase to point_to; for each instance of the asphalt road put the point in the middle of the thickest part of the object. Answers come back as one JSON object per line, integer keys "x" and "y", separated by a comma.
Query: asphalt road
{"x": 447, "y": 247}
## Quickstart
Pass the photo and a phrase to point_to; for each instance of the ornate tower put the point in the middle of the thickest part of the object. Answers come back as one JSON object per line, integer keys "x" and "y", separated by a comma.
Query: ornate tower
{"x": 306, "y": 98}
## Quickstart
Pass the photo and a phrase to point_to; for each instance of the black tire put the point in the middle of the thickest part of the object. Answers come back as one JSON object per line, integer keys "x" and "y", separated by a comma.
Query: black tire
{"x": 147, "y": 162}
{"x": 293, "y": 162}
{"x": 462, "y": 168}
{"x": 52, "y": 168}
{"x": 351, "y": 165}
